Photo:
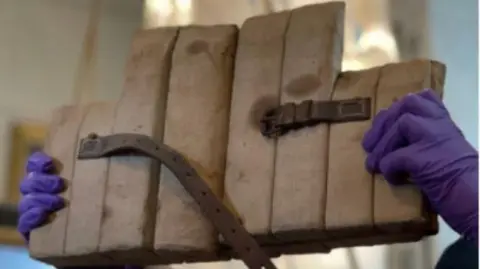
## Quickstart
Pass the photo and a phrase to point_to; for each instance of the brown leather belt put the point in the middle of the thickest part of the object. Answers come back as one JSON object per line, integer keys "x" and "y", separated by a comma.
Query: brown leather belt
{"x": 275, "y": 123}
{"x": 247, "y": 249}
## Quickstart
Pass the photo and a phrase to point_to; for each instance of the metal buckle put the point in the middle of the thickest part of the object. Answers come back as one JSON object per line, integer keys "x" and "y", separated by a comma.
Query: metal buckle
{"x": 269, "y": 124}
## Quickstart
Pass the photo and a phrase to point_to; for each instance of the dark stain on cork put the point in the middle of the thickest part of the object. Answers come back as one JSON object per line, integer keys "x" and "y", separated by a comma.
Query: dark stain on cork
{"x": 259, "y": 108}
{"x": 57, "y": 166}
{"x": 106, "y": 213}
{"x": 197, "y": 47}
{"x": 303, "y": 85}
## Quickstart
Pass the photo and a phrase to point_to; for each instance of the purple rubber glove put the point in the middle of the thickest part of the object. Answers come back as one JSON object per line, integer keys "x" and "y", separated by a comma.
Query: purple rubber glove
{"x": 417, "y": 137}
{"x": 40, "y": 189}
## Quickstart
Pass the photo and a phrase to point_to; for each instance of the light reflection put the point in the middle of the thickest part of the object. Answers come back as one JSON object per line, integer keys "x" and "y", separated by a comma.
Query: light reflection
{"x": 159, "y": 7}
{"x": 352, "y": 65}
{"x": 380, "y": 39}
{"x": 167, "y": 12}
{"x": 183, "y": 5}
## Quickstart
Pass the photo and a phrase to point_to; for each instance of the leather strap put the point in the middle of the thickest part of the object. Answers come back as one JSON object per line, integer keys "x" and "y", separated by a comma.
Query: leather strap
{"x": 290, "y": 116}
{"x": 247, "y": 249}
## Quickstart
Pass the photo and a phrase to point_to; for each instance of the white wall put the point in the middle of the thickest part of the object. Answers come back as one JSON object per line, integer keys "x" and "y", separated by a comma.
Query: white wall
{"x": 40, "y": 47}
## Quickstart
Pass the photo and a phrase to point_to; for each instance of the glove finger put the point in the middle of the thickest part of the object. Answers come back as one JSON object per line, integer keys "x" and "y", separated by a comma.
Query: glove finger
{"x": 46, "y": 201}
{"x": 406, "y": 131}
{"x": 420, "y": 104}
{"x": 414, "y": 104}
{"x": 393, "y": 139}
{"x": 432, "y": 96}
{"x": 372, "y": 135}
{"x": 30, "y": 220}
{"x": 35, "y": 182}
{"x": 399, "y": 164}
{"x": 39, "y": 162}
{"x": 414, "y": 128}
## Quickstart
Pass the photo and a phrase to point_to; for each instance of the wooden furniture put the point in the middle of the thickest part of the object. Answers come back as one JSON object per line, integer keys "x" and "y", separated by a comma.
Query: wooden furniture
{"x": 202, "y": 91}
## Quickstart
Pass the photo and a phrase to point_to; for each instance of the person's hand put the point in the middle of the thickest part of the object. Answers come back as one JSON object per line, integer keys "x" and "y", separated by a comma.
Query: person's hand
{"x": 416, "y": 137}
{"x": 40, "y": 189}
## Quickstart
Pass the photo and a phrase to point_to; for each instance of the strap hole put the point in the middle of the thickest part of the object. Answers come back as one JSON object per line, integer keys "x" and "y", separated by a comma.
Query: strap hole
{"x": 189, "y": 174}
{"x": 234, "y": 231}
{"x": 248, "y": 249}
{"x": 204, "y": 193}
{"x": 218, "y": 210}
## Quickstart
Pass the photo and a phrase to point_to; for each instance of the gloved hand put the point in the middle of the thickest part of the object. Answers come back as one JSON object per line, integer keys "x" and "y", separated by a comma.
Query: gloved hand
{"x": 40, "y": 189}
{"x": 417, "y": 137}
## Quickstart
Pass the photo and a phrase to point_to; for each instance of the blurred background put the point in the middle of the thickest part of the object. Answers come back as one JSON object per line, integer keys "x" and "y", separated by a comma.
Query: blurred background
{"x": 55, "y": 52}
